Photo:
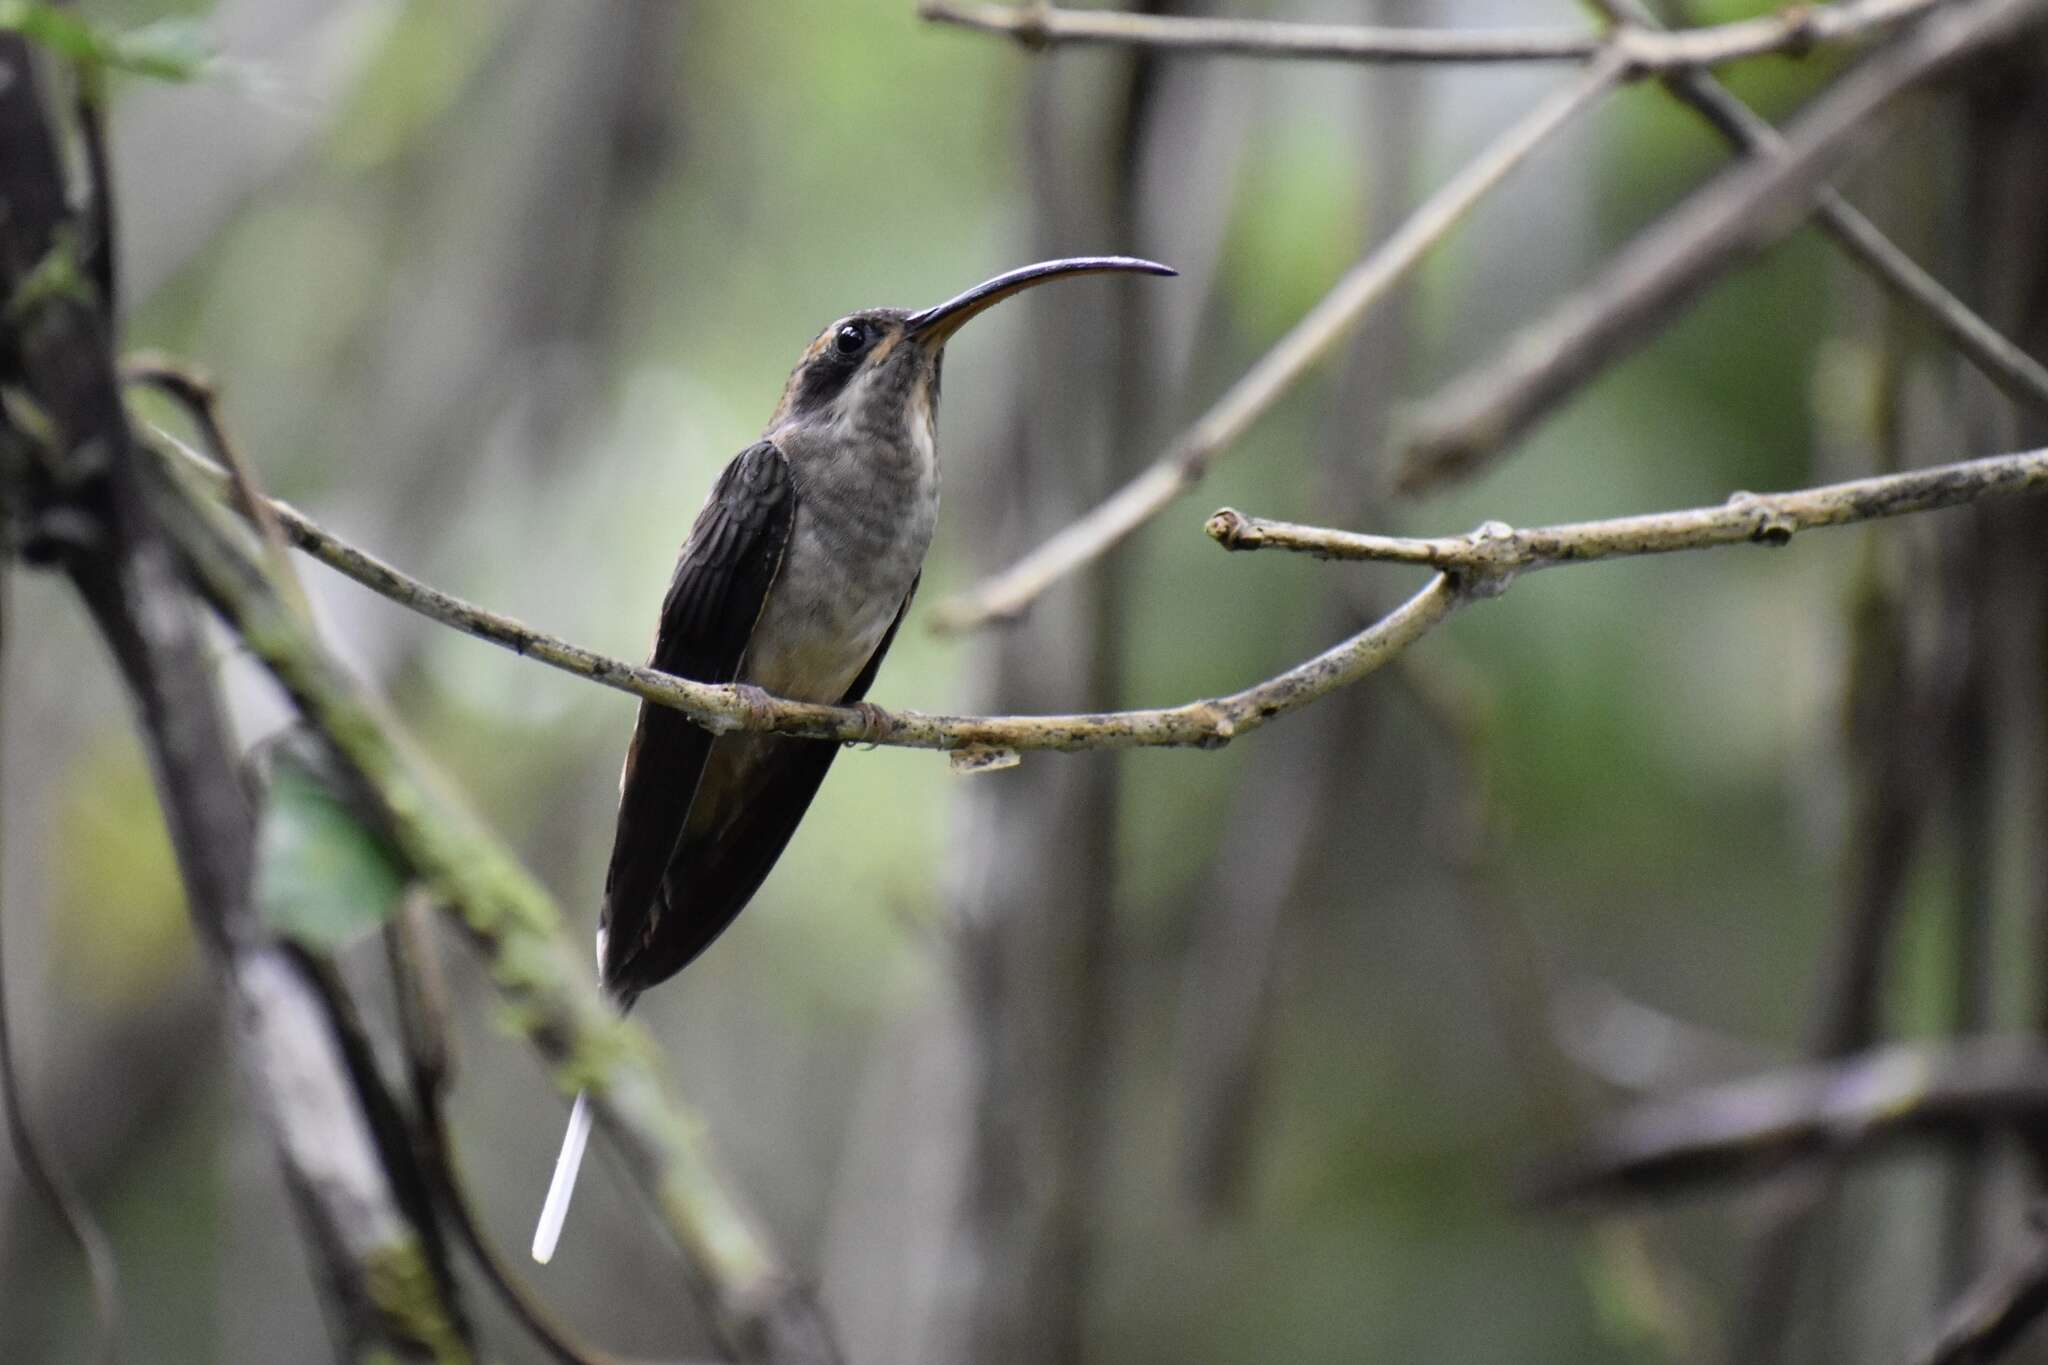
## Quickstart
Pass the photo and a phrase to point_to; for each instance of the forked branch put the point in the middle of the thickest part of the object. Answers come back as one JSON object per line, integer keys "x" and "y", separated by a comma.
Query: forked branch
{"x": 1649, "y": 282}
{"x": 1746, "y": 518}
{"x": 1214, "y": 721}
{"x": 1479, "y": 416}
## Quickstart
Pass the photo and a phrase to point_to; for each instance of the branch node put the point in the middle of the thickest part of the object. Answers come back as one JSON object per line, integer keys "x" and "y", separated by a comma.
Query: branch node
{"x": 1218, "y": 727}
{"x": 976, "y": 759}
{"x": 1232, "y": 530}
{"x": 1495, "y": 561}
{"x": 1801, "y": 33}
{"x": 760, "y": 709}
{"x": 1034, "y": 26}
{"x": 1771, "y": 526}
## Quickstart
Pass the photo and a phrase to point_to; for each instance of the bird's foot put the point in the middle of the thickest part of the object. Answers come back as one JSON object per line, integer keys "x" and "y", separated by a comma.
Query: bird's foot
{"x": 875, "y": 723}
{"x": 760, "y": 706}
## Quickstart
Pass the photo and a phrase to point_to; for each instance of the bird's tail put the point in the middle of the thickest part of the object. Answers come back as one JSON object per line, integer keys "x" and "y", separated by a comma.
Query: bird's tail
{"x": 555, "y": 1207}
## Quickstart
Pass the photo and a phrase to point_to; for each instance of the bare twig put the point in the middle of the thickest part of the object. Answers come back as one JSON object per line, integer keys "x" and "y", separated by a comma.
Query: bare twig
{"x": 1650, "y": 281}
{"x": 1006, "y": 594}
{"x": 2018, "y": 375}
{"x": 1795, "y": 31}
{"x": 1745, "y": 519}
{"x": 1847, "y": 1108}
{"x": 1198, "y": 723}
{"x": 201, "y": 400}
{"x": 2003, "y": 1304}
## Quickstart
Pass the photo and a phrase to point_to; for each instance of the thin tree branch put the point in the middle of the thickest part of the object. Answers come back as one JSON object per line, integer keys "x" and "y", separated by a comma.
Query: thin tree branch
{"x": 1204, "y": 723}
{"x": 2004, "y": 1303}
{"x": 196, "y": 394}
{"x": 1852, "y": 1107}
{"x": 719, "y": 708}
{"x": 1796, "y": 31}
{"x": 1654, "y": 277}
{"x": 2018, "y": 375}
{"x": 760, "y": 1311}
{"x": 1746, "y": 518}
{"x": 1005, "y": 595}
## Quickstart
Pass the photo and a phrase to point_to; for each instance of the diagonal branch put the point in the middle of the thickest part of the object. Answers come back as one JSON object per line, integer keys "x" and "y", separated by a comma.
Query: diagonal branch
{"x": 1203, "y": 723}
{"x": 1005, "y": 595}
{"x": 1745, "y": 519}
{"x": 389, "y": 1294}
{"x": 760, "y": 1310}
{"x": 1795, "y": 31}
{"x": 2008, "y": 1300}
{"x": 2018, "y": 375}
{"x": 1650, "y": 282}
{"x": 1761, "y": 1124}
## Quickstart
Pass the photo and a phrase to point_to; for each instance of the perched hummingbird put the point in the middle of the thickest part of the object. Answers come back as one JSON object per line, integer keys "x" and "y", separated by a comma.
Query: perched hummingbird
{"x": 794, "y": 579}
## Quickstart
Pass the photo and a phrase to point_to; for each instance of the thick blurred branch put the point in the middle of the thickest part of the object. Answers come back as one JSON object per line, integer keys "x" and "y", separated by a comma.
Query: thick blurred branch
{"x": 1761, "y": 1124}
{"x": 2008, "y": 1300}
{"x": 1005, "y": 595}
{"x": 1745, "y": 519}
{"x": 760, "y": 1310}
{"x": 1649, "y": 283}
{"x": 1796, "y": 31}
{"x": 387, "y": 1293}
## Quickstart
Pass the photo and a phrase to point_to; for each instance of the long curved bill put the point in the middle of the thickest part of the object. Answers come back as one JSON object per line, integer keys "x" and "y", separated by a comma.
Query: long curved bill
{"x": 934, "y": 325}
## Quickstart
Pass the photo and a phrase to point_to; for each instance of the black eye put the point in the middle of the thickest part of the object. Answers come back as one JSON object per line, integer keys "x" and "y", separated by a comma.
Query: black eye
{"x": 851, "y": 338}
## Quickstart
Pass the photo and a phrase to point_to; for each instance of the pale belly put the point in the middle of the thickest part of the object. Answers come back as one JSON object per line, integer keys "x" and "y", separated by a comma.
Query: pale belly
{"x": 820, "y": 627}
{"x": 818, "y": 630}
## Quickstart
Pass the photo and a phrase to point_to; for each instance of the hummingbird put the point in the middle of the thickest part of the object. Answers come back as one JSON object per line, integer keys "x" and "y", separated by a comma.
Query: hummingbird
{"x": 794, "y": 579}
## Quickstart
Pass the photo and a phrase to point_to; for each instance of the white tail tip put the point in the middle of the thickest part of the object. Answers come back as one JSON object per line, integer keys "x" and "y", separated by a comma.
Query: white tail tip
{"x": 556, "y": 1208}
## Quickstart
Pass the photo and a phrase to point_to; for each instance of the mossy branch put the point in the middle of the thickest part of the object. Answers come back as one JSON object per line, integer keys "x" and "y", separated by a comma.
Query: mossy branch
{"x": 550, "y": 992}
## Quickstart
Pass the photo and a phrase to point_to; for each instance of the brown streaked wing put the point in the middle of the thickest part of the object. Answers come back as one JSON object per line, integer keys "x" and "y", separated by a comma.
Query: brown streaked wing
{"x": 711, "y": 878}
{"x": 722, "y": 578}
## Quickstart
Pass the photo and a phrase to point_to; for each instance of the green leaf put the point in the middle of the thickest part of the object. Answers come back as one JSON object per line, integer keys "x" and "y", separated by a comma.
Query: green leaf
{"x": 323, "y": 877}
{"x": 167, "y": 49}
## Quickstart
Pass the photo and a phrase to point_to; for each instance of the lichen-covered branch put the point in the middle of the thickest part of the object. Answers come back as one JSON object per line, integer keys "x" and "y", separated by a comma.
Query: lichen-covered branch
{"x": 1766, "y": 518}
{"x": 389, "y": 1297}
{"x": 1203, "y": 723}
{"x": 1478, "y": 416}
{"x": 549, "y": 991}
{"x": 1496, "y": 549}
{"x": 1796, "y": 31}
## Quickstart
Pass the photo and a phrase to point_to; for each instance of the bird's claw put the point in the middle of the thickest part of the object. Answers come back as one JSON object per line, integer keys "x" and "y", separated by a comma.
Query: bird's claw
{"x": 874, "y": 723}
{"x": 760, "y": 706}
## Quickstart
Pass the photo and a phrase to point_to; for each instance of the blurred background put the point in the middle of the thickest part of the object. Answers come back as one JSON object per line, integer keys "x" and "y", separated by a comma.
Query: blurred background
{"x": 1169, "y": 1056}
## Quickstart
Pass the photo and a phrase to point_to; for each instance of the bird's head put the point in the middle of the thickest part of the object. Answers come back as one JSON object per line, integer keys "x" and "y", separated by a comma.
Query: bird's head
{"x": 873, "y": 373}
